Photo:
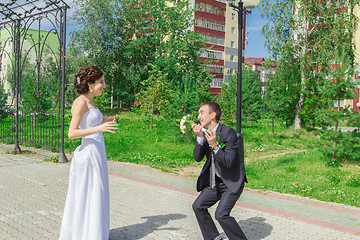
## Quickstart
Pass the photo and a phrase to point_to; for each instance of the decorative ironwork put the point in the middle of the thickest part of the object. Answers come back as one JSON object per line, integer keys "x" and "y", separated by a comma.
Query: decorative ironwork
{"x": 32, "y": 72}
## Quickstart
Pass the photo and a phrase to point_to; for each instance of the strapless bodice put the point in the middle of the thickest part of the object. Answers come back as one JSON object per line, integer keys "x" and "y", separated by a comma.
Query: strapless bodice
{"x": 92, "y": 118}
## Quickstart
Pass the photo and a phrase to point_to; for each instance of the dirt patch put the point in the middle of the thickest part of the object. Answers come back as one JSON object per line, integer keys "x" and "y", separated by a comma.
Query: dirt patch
{"x": 274, "y": 155}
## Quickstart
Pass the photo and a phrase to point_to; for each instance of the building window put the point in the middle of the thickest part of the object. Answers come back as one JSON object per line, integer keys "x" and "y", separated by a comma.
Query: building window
{"x": 230, "y": 71}
{"x": 216, "y": 83}
{"x": 233, "y": 31}
{"x": 212, "y": 68}
{"x": 341, "y": 104}
{"x": 206, "y": 23}
{"x": 208, "y": 8}
{"x": 233, "y": 16}
{"x": 232, "y": 44}
{"x": 232, "y": 58}
{"x": 212, "y": 54}
{"x": 215, "y": 40}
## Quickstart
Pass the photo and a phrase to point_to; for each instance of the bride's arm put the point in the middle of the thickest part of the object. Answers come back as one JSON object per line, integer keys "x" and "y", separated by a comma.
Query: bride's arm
{"x": 78, "y": 109}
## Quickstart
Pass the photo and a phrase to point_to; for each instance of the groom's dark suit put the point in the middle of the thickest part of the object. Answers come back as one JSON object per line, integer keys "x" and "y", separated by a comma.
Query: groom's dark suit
{"x": 229, "y": 185}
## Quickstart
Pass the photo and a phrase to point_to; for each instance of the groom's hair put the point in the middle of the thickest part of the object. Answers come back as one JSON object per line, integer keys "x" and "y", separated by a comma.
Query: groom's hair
{"x": 214, "y": 107}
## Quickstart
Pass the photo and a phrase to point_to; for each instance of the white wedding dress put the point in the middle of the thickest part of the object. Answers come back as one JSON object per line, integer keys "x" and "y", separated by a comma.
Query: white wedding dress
{"x": 86, "y": 213}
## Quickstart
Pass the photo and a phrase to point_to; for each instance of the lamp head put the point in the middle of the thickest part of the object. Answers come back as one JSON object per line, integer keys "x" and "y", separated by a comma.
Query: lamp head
{"x": 250, "y": 4}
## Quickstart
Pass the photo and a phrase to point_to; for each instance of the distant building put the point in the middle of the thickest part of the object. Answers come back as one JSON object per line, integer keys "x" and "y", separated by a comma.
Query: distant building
{"x": 262, "y": 71}
{"x": 219, "y": 22}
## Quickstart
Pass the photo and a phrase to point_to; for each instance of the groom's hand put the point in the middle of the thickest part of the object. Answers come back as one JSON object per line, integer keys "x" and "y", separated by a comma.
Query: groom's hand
{"x": 197, "y": 130}
{"x": 211, "y": 138}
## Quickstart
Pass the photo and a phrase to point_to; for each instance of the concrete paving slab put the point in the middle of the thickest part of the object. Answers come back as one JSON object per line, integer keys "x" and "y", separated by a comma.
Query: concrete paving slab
{"x": 148, "y": 204}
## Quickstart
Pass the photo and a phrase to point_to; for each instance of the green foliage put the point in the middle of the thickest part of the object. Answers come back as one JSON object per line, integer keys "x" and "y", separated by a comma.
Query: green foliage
{"x": 291, "y": 163}
{"x": 228, "y": 101}
{"x": 103, "y": 101}
{"x": 347, "y": 146}
{"x": 3, "y": 96}
{"x": 305, "y": 174}
{"x": 188, "y": 95}
{"x": 325, "y": 28}
{"x": 39, "y": 86}
{"x": 354, "y": 120}
{"x": 251, "y": 97}
{"x": 126, "y": 39}
{"x": 71, "y": 68}
{"x": 339, "y": 86}
{"x": 155, "y": 97}
{"x": 282, "y": 91}
{"x": 329, "y": 117}
{"x": 97, "y": 40}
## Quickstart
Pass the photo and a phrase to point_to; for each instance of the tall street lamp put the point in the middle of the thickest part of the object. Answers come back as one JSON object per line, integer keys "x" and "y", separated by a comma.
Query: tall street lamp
{"x": 248, "y": 4}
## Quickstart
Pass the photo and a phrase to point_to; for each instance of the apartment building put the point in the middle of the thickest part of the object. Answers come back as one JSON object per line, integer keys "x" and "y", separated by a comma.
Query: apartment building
{"x": 218, "y": 22}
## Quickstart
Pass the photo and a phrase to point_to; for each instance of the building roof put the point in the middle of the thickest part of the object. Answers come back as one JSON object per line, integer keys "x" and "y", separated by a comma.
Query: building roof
{"x": 252, "y": 60}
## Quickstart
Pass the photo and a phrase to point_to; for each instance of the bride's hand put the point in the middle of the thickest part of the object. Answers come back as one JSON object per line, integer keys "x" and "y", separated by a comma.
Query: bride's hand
{"x": 108, "y": 119}
{"x": 107, "y": 126}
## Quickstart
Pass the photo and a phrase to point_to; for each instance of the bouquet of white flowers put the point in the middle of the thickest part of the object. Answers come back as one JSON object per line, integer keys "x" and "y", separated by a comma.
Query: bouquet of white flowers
{"x": 186, "y": 123}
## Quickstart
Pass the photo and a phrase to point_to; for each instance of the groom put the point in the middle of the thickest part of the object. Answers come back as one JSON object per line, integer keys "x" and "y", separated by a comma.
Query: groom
{"x": 222, "y": 177}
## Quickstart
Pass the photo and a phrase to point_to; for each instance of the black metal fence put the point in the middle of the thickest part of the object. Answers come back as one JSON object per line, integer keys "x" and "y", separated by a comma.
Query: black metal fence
{"x": 32, "y": 73}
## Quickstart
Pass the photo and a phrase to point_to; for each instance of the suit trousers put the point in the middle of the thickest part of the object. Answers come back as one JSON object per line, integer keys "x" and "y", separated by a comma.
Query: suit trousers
{"x": 227, "y": 199}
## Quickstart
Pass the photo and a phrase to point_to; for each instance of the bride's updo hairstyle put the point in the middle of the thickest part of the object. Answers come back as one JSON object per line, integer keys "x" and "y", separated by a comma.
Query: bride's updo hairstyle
{"x": 86, "y": 75}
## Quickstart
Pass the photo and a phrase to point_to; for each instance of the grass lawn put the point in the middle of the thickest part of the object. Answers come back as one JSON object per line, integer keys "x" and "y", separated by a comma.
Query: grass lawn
{"x": 292, "y": 162}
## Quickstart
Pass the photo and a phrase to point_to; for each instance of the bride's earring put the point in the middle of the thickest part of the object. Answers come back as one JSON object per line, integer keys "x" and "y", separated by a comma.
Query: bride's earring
{"x": 90, "y": 88}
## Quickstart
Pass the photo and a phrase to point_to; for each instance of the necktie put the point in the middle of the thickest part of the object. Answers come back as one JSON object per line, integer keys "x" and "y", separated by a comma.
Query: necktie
{"x": 212, "y": 171}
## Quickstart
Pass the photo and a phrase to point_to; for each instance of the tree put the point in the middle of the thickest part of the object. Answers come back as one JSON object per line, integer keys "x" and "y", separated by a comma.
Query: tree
{"x": 97, "y": 40}
{"x": 126, "y": 37}
{"x": 282, "y": 93}
{"x": 310, "y": 31}
{"x": 338, "y": 85}
{"x": 251, "y": 97}
{"x": 156, "y": 95}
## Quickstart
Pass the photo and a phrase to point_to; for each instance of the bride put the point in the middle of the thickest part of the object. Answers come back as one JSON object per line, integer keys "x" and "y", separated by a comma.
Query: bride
{"x": 86, "y": 212}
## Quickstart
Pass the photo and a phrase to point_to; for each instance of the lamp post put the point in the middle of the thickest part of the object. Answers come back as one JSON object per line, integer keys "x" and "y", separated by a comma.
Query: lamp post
{"x": 248, "y": 4}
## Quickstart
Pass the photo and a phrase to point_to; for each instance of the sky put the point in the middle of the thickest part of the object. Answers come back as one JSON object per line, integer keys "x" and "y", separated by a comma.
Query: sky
{"x": 255, "y": 42}
{"x": 254, "y": 23}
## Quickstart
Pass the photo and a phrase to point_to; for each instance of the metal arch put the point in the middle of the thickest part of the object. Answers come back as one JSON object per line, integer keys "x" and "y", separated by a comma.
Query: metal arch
{"x": 22, "y": 9}
{"x": 24, "y": 118}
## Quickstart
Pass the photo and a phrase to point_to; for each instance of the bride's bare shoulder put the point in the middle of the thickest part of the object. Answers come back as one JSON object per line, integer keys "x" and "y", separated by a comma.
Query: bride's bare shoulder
{"x": 79, "y": 106}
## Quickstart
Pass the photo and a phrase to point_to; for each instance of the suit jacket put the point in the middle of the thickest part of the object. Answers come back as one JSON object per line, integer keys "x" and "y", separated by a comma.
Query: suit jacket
{"x": 227, "y": 160}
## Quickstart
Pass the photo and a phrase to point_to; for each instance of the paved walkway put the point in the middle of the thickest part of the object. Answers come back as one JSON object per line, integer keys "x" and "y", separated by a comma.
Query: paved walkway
{"x": 148, "y": 204}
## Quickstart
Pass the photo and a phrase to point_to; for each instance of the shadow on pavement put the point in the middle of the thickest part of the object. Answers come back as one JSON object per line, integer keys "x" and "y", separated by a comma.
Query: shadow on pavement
{"x": 255, "y": 228}
{"x": 140, "y": 230}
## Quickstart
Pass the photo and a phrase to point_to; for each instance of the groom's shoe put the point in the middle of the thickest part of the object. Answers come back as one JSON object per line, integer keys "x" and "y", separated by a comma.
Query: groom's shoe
{"x": 218, "y": 238}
